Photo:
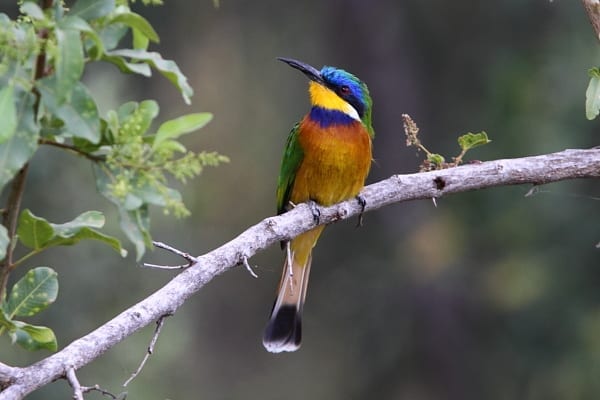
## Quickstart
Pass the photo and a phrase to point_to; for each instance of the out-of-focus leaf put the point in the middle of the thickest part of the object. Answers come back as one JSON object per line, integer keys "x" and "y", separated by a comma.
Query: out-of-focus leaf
{"x": 592, "y": 95}
{"x": 4, "y": 241}
{"x": 133, "y": 213}
{"x": 140, "y": 41}
{"x": 5, "y": 322}
{"x": 37, "y": 233}
{"x": 94, "y": 47}
{"x": 172, "y": 145}
{"x": 137, "y": 120}
{"x": 129, "y": 67}
{"x": 176, "y": 127}
{"x": 17, "y": 150}
{"x": 69, "y": 61}
{"x": 33, "y": 337}
{"x": 112, "y": 34}
{"x": 32, "y": 293}
{"x": 137, "y": 22}
{"x": 81, "y": 228}
{"x": 91, "y": 9}
{"x": 34, "y": 232}
{"x": 8, "y": 112}
{"x": 136, "y": 226}
{"x": 79, "y": 113}
{"x": 470, "y": 140}
{"x": 31, "y": 9}
{"x": 167, "y": 68}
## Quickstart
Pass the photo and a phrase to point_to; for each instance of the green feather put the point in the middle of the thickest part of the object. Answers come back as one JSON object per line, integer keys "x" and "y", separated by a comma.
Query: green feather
{"x": 292, "y": 158}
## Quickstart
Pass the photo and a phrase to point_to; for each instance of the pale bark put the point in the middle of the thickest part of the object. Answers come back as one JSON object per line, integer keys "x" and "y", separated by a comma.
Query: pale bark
{"x": 568, "y": 164}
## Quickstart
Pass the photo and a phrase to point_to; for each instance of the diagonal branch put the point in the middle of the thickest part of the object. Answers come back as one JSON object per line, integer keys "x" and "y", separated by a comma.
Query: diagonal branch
{"x": 568, "y": 164}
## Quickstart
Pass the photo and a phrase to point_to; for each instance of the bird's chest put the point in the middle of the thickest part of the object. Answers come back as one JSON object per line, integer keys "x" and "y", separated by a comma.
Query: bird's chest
{"x": 335, "y": 164}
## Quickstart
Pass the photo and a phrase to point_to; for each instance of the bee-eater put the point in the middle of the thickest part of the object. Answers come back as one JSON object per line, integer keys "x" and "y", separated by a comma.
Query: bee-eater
{"x": 326, "y": 160}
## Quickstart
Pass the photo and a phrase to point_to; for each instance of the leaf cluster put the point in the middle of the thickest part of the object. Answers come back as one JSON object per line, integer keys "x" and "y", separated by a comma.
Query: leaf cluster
{"x": 43, "y": 55}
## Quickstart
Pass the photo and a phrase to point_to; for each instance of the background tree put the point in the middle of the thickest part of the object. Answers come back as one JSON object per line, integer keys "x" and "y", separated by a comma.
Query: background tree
{"x": 508, "y": 280}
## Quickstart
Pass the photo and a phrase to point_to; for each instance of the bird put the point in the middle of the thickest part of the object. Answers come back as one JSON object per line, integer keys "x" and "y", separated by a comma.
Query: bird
{"x": 326, "y": 160}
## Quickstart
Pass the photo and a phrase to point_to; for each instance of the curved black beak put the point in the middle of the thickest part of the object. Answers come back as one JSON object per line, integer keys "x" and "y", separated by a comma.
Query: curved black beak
{"x": 311, "y": 72}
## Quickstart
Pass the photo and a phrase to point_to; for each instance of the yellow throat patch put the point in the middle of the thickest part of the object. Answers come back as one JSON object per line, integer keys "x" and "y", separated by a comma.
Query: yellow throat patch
{"x": 326, "y": 98}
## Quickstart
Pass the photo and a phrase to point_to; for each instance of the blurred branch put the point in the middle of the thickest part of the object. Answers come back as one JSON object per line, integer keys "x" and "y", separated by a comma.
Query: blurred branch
{"x": 537, "y": 170}
{"x": 7, "y": 374}
{"x": 592, "y": 8}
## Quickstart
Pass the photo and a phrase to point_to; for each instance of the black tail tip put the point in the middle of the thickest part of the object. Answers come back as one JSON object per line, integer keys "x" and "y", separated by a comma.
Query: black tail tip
{"x": 284, "y": 330}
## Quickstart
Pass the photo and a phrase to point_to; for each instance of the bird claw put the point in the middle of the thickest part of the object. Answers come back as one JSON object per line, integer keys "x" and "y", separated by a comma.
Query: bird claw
{"x": 314, "y": 209}
{"x": 363, "y": 203}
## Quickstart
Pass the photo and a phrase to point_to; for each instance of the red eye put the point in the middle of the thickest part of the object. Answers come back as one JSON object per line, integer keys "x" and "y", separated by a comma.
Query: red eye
{"x": 345, "y": 90}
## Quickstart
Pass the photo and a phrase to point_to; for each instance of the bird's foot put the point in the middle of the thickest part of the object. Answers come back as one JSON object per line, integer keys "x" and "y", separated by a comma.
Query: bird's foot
{"x": 363, "y": 203}
{"x": 314, "y": 209}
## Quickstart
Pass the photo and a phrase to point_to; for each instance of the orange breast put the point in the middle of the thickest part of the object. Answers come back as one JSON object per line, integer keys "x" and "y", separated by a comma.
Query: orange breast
{"x": 336, "y": 162}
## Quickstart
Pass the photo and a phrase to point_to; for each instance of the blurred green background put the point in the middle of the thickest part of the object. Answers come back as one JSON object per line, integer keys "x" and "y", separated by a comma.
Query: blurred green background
{"x": 491, "y": 295}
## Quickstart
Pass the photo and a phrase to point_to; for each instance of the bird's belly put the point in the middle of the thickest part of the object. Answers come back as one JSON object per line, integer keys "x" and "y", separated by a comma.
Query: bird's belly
{"x": 335, "y": 164}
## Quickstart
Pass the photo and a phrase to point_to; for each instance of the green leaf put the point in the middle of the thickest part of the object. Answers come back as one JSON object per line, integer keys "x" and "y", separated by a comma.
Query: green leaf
{"x": 31, "y": 9}
{"x": 81, "y": 228}
{"x": 592, "y": 95}
{"x": 89, "y": 219}
{"x": 112, "y": 34}
{"x": 32, "y": 337}
{"x": 138, "y": 23}
{"x": 8, "y": 113}
{"x": 91, "y": 9}
{"x": 34, "y": 232}
{"x": 172, "y": 145}
{"x": 436, "y": 159}
{"x": 129, "y": 67}
{"x": 140, "y": 41}
{"x": 37, "y": 233}
{"x": 134, "y": 222}
{"x": 79, "y": 113}
{"x": 32, "y": 293}
{"x": 5, "y": 322}
{"x": 176, "y": 127}
{"x": 17, "y": 150}
{"x": 69, "y": 61}
{"x": 4, "y": 242}
{"x": 470, "y": 140}
{"x": 167, "y": 68}
{"x": 94, "y": 46}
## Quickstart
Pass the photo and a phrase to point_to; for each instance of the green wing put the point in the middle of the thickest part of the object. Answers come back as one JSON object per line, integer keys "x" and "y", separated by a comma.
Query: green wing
{"x": 292, "y": 157}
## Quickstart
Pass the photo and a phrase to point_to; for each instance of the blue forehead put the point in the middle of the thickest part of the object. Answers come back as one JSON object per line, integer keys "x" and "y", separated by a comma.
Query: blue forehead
{"x": 339, "y": 77}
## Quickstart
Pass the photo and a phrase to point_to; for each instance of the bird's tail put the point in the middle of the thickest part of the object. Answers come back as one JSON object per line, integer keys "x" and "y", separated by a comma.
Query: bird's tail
{"x": 284, "y": 329}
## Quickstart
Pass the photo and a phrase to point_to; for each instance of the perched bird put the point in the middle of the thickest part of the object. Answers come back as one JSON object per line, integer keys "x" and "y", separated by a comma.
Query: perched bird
{"x": 326, "y": 160}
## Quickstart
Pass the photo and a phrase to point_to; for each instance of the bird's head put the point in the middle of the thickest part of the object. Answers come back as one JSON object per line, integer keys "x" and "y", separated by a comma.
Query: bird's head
{"x": 335, "y": 89}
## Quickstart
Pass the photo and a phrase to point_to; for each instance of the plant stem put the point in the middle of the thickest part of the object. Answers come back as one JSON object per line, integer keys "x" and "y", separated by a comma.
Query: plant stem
{"x": 71, "y": 148}
{"x": 10, "y": 222}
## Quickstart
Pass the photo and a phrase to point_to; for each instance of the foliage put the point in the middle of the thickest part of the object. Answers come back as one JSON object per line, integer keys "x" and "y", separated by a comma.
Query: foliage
{"x": 592, "y": 95}
{"x": 437, "y": 161}
{"x": 44, "y": 102}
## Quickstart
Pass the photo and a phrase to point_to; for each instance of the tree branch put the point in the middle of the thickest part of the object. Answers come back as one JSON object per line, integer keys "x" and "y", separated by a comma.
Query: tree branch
{"x": 592, "y": 8}
{"x": 568, "y": 164}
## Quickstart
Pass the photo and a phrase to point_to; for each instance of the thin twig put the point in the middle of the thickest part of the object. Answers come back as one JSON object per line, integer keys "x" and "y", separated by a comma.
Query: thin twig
{"x": 157, "y": 266}
{"x": 74, "y": 382}
{"x": 159, "y": 325}
{"x": 71, "y": 149}
{"x": 97, "y": 388}
{"x": 187, "y": 256}
{"x": 248, "y": 267}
